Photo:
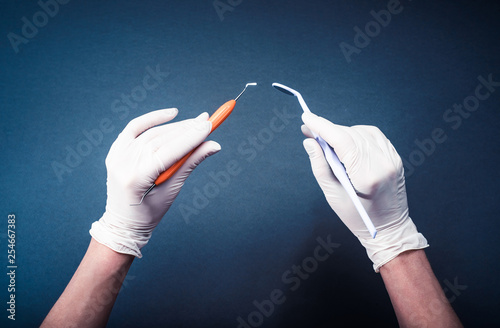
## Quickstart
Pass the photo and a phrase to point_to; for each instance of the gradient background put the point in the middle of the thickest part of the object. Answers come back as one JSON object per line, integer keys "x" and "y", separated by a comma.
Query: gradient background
{"x": 208, "y": 271}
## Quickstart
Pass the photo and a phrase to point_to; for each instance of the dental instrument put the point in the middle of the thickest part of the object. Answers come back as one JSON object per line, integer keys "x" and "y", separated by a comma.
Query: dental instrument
{"x": 334, "y": 162}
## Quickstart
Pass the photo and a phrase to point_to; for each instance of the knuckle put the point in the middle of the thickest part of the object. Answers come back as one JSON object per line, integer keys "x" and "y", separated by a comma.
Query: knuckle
{"x": 386, "y": 175}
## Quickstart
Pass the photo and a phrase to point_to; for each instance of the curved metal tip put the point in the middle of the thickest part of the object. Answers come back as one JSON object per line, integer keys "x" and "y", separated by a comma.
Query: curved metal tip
{"x": 246, "y": 86}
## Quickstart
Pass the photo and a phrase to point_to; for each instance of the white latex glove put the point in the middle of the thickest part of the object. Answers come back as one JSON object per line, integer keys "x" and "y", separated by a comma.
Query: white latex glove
{"x": 137, "y": 157}
{"x": 376, "y": 172}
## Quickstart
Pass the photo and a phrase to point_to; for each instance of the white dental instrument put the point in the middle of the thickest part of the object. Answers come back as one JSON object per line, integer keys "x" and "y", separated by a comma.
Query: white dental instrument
{"x": 334, "y": 162}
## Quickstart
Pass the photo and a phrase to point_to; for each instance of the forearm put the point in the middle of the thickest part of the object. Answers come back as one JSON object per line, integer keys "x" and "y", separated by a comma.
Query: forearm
{"x": 90, "y": 295}
{"x": 415, "y": 293}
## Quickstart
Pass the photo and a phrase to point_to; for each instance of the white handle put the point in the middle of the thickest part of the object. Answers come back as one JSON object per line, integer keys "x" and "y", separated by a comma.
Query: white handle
{"x": 339, "y": 171}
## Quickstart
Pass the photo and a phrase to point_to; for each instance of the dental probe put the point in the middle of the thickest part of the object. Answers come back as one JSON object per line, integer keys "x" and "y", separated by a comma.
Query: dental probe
{"x": 217, "y": 118}
{"x": 334, "y": 162}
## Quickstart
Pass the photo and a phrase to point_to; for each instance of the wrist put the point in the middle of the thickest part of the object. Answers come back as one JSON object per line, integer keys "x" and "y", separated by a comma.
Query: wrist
{"x": 107, "y": 257}
{"x": 388, "y": 245}
{"x": 117, "y": 237}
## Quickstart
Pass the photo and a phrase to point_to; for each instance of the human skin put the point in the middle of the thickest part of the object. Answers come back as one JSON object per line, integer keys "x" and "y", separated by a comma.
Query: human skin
{"x": 416, "y": 295}
{"x": 89, "y": 297}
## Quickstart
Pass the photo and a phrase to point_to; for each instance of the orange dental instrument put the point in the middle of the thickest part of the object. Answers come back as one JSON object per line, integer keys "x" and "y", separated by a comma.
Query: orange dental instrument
{"x": 217, "y": 118}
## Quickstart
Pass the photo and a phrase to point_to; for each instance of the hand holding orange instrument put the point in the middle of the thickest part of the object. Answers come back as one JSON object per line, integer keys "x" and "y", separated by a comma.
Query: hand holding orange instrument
{"x": 216, "y": 119}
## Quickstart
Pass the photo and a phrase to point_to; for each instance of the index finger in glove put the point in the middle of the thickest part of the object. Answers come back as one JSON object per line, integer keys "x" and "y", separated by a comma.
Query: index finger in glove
{"x": 170, "y": 149}
{"x": 339, "y": 137}
{"x": 142, "y": 123}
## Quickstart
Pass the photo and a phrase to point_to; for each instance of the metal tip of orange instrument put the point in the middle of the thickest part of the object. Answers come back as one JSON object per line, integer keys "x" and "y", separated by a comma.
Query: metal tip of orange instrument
{"x": 246, "y": 86}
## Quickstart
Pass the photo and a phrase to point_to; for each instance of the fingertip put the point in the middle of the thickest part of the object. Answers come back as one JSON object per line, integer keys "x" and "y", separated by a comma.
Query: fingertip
{"x": 202, "y": 117}
{"x": 201, "y": 125}
{"x": 310, "y": 146}
{"x": 313, "y": 122}
{"x": 208, "y": 126}
{"x": 306, "y": 116}
{"x": 204, "y": 124}
{"x": 216, "y": 147}
{"x": 206, "y": 149}
{"x": 171, "y": 111}
{"x": 306, "y": 131}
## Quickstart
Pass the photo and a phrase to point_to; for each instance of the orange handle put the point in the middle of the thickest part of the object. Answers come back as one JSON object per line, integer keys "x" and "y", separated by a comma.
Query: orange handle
{"x": 221, "y": 114}
{"x": 217, "y": 118}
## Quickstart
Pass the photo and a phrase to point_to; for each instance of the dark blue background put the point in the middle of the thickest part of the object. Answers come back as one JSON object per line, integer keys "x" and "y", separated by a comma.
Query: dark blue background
{"x": 208, "y": 271}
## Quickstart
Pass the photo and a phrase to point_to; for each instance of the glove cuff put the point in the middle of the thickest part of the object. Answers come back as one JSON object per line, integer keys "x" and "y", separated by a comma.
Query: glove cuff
{"x": 385, "y": 248}
{"x": 119, "y": 240}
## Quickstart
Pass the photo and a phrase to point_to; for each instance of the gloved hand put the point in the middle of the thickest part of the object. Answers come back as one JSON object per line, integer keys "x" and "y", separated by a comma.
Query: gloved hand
{"x": 376, "y": 172}
{"x": 137, "y": 157}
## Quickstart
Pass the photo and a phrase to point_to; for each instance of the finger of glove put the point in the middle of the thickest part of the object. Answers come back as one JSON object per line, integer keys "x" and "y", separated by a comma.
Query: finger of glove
{"x": 174, "y": 184}
{"x": 335, "y": 194}
{"x": 161, "y": 135}
{"x": 171, "y": 150}
{"x": 339, "y": 137}
{"x": 161, "y": 130}
{"x": 321, "y": 170}
{"x": 305, "y": 130}
{"x": 143, "y": 123}
{"x": 205, "y": 150}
